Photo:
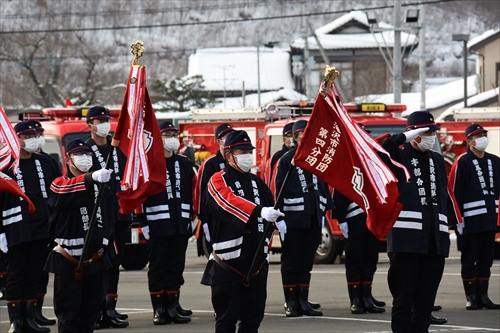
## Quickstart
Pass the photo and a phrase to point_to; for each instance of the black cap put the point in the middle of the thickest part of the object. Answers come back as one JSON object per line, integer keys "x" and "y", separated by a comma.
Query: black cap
{"x": 37, "y": 125}
{"x": 76, "y": 146}
{"x": 98, "y": 112}
{"x": 238, "y": 139}
{"x": 363, "y": 127}
{"x": 473, "y": 129}
{"x": 25, "y": 127}
{"x": 419, "y": 119}
{"x": 167, "y": 126}
{"x": 288, "y": 128}
{"x": 299, "y": 126}
{"x": 223, "y": 129}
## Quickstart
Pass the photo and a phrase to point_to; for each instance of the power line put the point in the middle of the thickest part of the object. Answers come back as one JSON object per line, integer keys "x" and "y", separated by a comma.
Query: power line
{"x": 152, "y": 26}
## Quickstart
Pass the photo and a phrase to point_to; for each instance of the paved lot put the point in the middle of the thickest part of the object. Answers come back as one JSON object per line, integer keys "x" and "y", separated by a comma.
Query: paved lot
{"x": 328, "y": 287}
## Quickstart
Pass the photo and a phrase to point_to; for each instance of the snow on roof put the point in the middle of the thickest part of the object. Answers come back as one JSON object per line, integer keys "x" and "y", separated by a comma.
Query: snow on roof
{"x": 252, "y": 100}
{"x": 434, "y": 97}
{"x": 355, "y": 15}
{"x": 227, "y": 68}
{"x": 470, "y": 101}
{"x": 480, "y": 38}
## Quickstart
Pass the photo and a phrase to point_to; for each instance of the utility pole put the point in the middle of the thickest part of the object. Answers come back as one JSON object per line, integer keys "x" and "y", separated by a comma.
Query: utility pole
{"x": 422, "y": 65}
{"x": 258, "y": 69}
{"x": 397, "y": 78}
{"x": 306, "y": 52}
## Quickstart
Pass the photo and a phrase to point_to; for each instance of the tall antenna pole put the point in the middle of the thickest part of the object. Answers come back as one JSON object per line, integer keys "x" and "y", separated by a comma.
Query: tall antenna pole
{"x": 397, "y": 79}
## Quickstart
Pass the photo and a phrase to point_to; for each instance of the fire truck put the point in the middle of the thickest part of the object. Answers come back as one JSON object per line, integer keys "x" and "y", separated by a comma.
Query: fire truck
{"x": 264, "y": 126}
{"x": 63, "y": 125}
{"x": 452, "y": 136}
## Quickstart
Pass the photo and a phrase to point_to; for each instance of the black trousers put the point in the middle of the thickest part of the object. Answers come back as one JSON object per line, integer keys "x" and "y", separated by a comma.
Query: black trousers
{"x": 25, "y": 264}
{"x": 477, "y": 254}
{"x": 232, "y": 301}
{"x": 77, "y": 303}
{"x": 297, "y": 255}
{"x": 167, "y": 258}
{"x": 121, "y": 230}
{"x": 43, "y": 279}
{"x": 413, "y": 281}
{"x": 361, "y": 257}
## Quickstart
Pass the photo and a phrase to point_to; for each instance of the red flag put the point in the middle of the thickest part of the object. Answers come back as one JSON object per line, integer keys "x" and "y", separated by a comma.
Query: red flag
{"x": 343, "y": 155}
{"x": 68, "y": 103}
{"x": 9, "y": 185}
{"x": 10, "y": 146}
{"x": 138, "y": 137}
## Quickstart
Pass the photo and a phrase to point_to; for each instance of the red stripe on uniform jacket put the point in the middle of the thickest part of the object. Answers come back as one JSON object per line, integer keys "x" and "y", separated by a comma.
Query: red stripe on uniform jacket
{"x": 64, "y": 185}
{"x": 225, "y": 198}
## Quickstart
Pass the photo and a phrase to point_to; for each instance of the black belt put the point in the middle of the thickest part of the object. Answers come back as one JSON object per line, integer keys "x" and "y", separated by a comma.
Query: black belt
{"x": 233, "y": 270}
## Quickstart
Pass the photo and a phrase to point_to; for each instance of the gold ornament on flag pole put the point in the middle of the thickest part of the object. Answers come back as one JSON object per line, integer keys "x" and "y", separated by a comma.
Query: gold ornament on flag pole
{"x": 137, "y": 50}
{"x": 330, "y": 74}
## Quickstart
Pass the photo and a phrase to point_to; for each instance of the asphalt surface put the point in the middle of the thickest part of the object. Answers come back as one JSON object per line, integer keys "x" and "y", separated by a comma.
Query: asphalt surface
{"x": 328, "y": 286}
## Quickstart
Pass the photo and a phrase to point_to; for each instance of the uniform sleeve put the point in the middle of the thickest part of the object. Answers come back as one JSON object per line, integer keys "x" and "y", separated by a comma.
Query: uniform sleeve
{"x": 69, "y": 193}
{"x": 281, "y": 170}
{"x": 204, "y": 174}
{"x": 229, "y": 208}
{"x": 458, "y": 174}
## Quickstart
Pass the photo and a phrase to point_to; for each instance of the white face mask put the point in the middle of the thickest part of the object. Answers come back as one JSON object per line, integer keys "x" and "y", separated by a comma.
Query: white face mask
{"x": 244, "y": 162}
{"x": 481, "y": 143}
{"x": 426, "y": 142}
{"x": 171, "y": 144}
{"x": 82, "y": 162}
{"x": 103, "y": 129}
{"x": 31, "y": 145}
{"x": 41, "y": 141}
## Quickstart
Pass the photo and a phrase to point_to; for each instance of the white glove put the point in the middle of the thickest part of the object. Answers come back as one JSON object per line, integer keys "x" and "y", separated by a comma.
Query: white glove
{"x": 145, "y": 232}
{"x": 281, "y": 225}
{"x": 192, "y": 226}
{"x": 3, "y": 243}
{"x": 460, "y": 228}
{"x": 345, "y": 229}
{"x": 322, "y": 222}
{"x": 270, "y": 214}
{"x": 410, "y": 135}
{"x": 206, "y": 231}
{"x": 102, "y": 176}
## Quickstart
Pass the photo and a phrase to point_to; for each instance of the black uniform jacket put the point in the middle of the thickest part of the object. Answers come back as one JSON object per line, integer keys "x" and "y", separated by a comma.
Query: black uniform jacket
{"x": 271, "y": 163}
{"x": 72, "y": 200}
{"x": 208, "y": 168}
{"x": 349, "y": 212}
{"x": 428, "y": 207}
{"x": 235, "y": 200}
{"x": 476, "y": 184}
{"x": 170, "y": 212}
{"x": 297, "y": 204}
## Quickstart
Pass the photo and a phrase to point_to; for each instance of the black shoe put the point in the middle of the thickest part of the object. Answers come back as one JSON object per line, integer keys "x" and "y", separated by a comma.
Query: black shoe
{"x": 121, "y": 316}
{"x": 291, "y": 302}
{"x": 366, "y": 300}
{"x": 179, "y": 308}
{"x": 158, "y": 312}
{"x": 354, "y": 296}
{"x": 39, "y": 317}
{"x": 171, "y": 314}
{"x": 438, "y": 320}
{"x": 109, "y": 318}
{"x": 437, "y": 308}
{"x": 28, "y": 321}
{"x": 304, "y": 306}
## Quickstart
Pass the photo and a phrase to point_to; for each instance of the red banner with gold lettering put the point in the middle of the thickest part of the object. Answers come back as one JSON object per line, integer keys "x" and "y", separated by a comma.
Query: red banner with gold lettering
{"x": 345, "y": 156}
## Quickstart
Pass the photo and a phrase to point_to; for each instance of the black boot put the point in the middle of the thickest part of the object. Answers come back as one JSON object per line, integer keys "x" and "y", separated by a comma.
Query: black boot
{"x": 159, "y": 313}
{"x": 438, "y": 320}
{"x": 367, "y": 302}
{"x": 3, "y": 281}
{"x": 109, "y": 318}
{"x": 121, "y": 316}
{"x": 304, "y": 306}
{"x": 291, "y": 302}
{"x": 354, "y": 295}
{"x": 484, "y": 300}
{"x": 178, "y": 307}
{"x": 171, "y": 313}
{"x": 470, "y": 294}
{"x": 39, "y": 317}
{"x": 437, "y": 308}
{"x": 380, "y": 304}
{"x": 14, "y": 310}
{"x": 29, "y": 323}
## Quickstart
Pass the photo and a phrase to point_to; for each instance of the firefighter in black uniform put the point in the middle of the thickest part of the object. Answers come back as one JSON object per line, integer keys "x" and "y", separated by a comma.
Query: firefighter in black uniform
{"x": 306, "y": 201}
{"x": 77, "y": 300}
{"x": 167, "y": 223}
{"x": 27, "y": 253}
{"x": 241, "y": 204}
{"x": 475, "y": 180}
{"x": 209, "y": 167}
{"x": 44, "y": 277}
{"x": 419, "y": 242}
{"x": 271, "y": 163}
{"x": 100, "y": 144}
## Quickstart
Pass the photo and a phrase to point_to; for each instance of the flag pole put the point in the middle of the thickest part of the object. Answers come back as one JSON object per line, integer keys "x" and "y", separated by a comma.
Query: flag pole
{"x": 279, "y": 200}
{"x": 93, "y": 220}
